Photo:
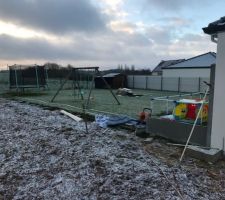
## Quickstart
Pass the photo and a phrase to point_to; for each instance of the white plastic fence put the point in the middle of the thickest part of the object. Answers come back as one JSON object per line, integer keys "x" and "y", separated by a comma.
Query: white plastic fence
{"x": 166, "y": 104}
{"x": 177, "y": 84}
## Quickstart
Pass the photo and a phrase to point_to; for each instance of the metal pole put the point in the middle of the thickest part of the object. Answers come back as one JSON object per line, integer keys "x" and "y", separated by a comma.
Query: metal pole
{"x": 21, "y": 79}
{"x": 194, "y": 125}
{"x": 167, "y": 106}
{"x": 108, "y": 87}
{"x": 61, "y": 86}
{"x": 83, "y": 106}
{"x": 46, "y": 75}
{"x": 16, "y": 79}
{"x": 89, "y": 95}
{"x": 37, "y": 76}
{"x": 151, "y": 104}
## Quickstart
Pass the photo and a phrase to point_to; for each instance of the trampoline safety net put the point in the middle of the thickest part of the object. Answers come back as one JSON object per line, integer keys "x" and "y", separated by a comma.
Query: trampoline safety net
{"x": 27, "y": 76}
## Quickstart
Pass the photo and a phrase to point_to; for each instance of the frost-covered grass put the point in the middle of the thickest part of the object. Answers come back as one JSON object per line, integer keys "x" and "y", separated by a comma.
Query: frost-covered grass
{"x": 4, "y": 81}
{"x": 101, "y": 99}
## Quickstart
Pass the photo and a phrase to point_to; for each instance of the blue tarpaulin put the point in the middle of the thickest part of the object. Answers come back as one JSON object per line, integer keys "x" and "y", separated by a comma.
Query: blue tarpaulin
{"x": 111, "y": 120}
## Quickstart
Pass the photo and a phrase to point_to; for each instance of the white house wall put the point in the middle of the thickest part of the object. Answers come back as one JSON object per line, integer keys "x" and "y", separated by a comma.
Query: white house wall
{"x": 205, "y": 72}
{"x": 218, "y": 121}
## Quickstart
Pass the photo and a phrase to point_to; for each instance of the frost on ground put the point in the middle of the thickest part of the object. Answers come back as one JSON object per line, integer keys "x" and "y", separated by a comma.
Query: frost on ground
{"x": 45, "y": 155}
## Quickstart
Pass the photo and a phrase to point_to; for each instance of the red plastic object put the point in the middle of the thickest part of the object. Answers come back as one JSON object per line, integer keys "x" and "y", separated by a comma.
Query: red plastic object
{"x": 191, "y": 113}
{"x": 142, "y": 116}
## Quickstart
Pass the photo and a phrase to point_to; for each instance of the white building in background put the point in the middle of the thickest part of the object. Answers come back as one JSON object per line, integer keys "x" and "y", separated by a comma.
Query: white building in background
{"x": 217, "y": 31}
{"x": 198, "y": 66}
{"x": 157, "y": 71}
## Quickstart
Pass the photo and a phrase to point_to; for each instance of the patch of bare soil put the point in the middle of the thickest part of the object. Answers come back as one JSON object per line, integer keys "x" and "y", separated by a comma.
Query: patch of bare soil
{"x": 45, "y": 155}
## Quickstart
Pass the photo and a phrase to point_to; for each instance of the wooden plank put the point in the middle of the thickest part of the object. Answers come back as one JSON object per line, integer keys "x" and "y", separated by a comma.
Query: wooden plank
{"x": 77, "y": 119}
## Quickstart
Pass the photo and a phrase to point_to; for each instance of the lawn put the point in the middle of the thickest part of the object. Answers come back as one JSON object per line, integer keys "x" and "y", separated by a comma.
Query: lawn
{"x": 101, "y": 101}
{"x": 4, "y": 80}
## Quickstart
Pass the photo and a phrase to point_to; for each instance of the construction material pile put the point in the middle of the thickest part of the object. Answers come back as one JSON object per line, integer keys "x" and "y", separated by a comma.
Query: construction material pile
{"x": 127, "y": 92}
{"x": 124, "y": 92}
{"x": 45, "y": 155}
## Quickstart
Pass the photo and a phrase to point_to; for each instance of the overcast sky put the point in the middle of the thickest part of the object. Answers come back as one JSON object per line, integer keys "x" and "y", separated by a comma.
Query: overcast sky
{"x": 105, "y": 32}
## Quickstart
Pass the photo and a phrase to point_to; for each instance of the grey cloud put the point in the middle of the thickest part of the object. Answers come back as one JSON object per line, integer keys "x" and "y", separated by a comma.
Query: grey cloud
{"x": 108, "y": 48}
{"x": 168, "y": 4}
{"x": 187, "y": 46}
{"x": 57, "y": 16}
{"x": 194, "y": 37}
{"x": 134, "y": 40}
{"x": 173, "y": 5}
{"x": 160, "y": 35}
{"x": 176, "y": 21}
{"x": 16, "y": 49}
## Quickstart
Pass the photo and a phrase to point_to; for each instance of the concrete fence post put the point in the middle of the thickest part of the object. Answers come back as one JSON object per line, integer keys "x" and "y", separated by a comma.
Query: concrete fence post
{"x": 146, "y": 82}
{"x": 133, "y": 81}
{"x": 161, "y": 83}
{"x": 178, "y": 87}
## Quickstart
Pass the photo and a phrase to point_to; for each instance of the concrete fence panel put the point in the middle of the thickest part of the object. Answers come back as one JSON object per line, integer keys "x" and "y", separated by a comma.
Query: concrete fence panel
{"x": 189, "y": 84}
{"x": 154, "y": 82}
{"x": 170, "y": 84}
{"x": 140, "y": 82}
{"x": 182, "y": 84}
{"x": 130, "y": 81}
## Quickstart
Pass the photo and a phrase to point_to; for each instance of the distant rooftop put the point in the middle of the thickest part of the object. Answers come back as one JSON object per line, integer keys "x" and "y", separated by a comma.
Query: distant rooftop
{"x": 215, "y": 26}
{"x": 166, "y": 63}
{"x": 201, "y": 61}
{"x": 111, "y": 75}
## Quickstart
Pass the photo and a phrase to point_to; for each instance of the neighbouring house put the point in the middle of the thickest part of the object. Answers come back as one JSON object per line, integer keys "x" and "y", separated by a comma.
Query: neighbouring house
{"x": 198, "y": 66}
{"x": 27, "y": 76}
{"x": 115, "y": 81}
{"x": 163, "y": 64}
{"x": 217, "y": 92}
